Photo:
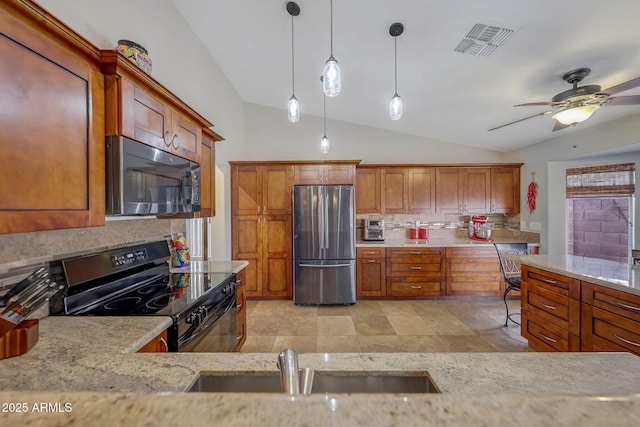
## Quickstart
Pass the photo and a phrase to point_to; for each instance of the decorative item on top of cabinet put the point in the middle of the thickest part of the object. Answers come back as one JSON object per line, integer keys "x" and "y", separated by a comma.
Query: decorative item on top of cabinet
{"x": 139, "y": 107}
{"x": 371, "y": 272}
{"x": 550, "y": 310}
{"x": 610, "y": 319}
{"x": 261, "y": 202}
{"x": 208, "y": 173}
{"x": 415, "y": 272}
{"x": 52, "y": 121}
{"x": 156, "y": 345}
{"x": 329, "y": 173}
{"x": 473, "y": 271}
{"x": 241, "y": 306}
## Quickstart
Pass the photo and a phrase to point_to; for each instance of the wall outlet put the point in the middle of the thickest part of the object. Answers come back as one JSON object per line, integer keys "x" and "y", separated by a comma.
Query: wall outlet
{"x": 533, "y": 225}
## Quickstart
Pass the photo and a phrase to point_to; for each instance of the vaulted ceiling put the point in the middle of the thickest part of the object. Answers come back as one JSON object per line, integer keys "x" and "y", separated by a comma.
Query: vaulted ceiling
{"x": 448, "y": 95}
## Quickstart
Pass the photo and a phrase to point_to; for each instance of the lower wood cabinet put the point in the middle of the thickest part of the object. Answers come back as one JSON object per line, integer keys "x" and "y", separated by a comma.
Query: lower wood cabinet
{"x": 156, "y": 345}
{"x": 416, "y": 272}
{"x": 371, "y": 273}
{"x": 241, "y": 306}
{"x": 473, "y": 271}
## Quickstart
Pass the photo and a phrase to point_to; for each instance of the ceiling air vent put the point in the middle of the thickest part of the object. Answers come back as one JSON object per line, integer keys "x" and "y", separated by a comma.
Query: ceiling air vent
{"x": 484, "y": 39}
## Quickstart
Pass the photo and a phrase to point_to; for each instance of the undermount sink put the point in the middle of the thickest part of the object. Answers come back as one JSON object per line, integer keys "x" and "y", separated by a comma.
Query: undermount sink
{"x": 323, "y": 382}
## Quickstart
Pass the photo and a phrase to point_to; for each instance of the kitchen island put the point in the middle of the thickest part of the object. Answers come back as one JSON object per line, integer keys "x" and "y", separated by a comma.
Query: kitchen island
{"x": 84, "y": 371}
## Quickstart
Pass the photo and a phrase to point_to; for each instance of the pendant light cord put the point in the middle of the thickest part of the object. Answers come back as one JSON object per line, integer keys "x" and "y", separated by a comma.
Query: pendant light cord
{"x": 331, "y": 21}
{"x": 293, "y": 72}
{"x": 395, "y": 62}
{"x": 324, "y": 114}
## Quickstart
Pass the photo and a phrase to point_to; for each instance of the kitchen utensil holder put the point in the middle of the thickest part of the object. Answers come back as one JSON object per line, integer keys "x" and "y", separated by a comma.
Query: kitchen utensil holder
{"x": 16, "y": 340}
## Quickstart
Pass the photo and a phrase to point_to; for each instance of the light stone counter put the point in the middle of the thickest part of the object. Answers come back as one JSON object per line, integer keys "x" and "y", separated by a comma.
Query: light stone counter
{"x": 436, "y": 242}
{"x": 234, "y": 266}
{"x": 615, "y": 275}
{"x": 86, "y": 362}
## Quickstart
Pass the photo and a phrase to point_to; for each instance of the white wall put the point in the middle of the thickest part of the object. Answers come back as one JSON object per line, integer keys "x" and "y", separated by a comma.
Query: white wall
{"x": 550, "y": 159}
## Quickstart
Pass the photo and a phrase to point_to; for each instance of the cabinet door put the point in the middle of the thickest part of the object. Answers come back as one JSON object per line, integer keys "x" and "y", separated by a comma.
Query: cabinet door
{"x": 422, "y": 186}
{"x": 339, "y": 174}
{"x": 394, "y": 190}
{"x": 449, "y": 190}
{"x": 473, "y": 271}
{"x": 277, "y": 266}
{"x": 276, "y": 192}
{"x": 186, "y": 137}
{"x": 144, "y": 117}
{"x": 368, "y": 186}
{"x": 371, "y": 272}
{"x": 52, "y": 128}
{"x": 505, "y": 190}
{"x": 476, "y": 190}
{"x": 246, "y": 187}
{"x": 247, "y": 245}
{"x": 207, "y": 177}
{"x": 156, "y": 345}
{"x": 309, "y": 174}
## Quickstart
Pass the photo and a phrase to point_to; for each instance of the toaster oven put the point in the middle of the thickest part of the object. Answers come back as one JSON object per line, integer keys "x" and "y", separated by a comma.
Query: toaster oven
{"x": 373, "y": 229}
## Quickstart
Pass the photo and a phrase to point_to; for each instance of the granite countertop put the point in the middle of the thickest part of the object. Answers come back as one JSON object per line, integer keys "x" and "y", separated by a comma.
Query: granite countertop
{"x": 234, "y": 266}
{"x": 436, "y": 242}
{"x": 611, "y": 274}
{"x": 85, "y": 366}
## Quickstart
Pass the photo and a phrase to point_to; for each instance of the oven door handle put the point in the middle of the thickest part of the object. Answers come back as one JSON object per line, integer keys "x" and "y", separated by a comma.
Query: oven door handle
{"x": 226, "y": 305}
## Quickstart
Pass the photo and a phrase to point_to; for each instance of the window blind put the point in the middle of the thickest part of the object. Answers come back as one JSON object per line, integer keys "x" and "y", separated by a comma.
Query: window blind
{"x": 599, "y": 181}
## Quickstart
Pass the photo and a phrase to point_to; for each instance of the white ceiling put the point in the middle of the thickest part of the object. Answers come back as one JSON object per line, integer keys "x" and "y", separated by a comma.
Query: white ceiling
{"x": 448, "y": 96}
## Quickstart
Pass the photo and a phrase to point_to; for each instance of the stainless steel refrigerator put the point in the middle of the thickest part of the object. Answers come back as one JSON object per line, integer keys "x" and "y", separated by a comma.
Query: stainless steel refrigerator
{"x": 324, "y": 244}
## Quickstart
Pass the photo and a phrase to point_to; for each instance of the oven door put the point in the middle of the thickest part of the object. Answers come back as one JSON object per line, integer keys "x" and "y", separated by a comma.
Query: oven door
{"x": 217, "y": 332}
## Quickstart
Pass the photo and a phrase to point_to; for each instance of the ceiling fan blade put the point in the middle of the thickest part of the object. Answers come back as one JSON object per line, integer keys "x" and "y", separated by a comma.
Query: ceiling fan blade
{"x": 624, "y": 100}
{"x": 623, "y": 86}
{"x": 560, "y": 126}
{"x": 534, "y": 103}
{"x": 520, "y": 120}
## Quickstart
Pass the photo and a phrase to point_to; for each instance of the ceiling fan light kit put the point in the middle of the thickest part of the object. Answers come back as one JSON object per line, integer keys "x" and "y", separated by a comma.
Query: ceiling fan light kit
{"x": 571, "y": 116}
{"x": 293, "y": 106}
{"x": 396, "y": 107}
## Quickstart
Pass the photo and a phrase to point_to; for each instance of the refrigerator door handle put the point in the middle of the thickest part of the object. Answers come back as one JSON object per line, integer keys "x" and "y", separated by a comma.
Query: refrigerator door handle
{"x": 325, "y": 266}
{"x": 326, "y": 219}
{"x": 320, "y": 221}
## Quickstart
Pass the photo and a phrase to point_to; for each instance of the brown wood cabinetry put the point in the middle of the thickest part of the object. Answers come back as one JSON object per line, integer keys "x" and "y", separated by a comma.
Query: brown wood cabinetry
{"x": 610, "y": 319}
{"x": 329, "y": 174}
{"x": 368, "y": 190}
{"x": 156, "y": 345}
{"x": 416, "y": 272}
{"x": 422, "y": 190}
{"x": 473, "y": 271}
{"x": 550, "y": 310}
{"x": 52, "y": 121}
{"x": 241, "y": 306}
{"x": 262, "y": 226}
{"x": 140, "y": 108}
{"x": 394, "y": 190}
{"x": 371, "y": 272}
{"x": 208, "y": 173}
{"x": 505, "y": 190}
{"x": 463, "y": 190}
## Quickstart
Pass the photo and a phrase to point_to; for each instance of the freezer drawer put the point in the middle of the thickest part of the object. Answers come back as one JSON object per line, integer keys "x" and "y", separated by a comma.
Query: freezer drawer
{"x": 324, "y": 282}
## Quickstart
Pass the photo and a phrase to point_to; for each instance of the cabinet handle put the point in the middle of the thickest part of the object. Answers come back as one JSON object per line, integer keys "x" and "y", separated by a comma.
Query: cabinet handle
{"x": 460, "y": 209}
{"x": 416, "y": 252}
{"x": 630, "y": 307}
{"x": 165, "y": 345}
{"x": 371, "y": 253}
{"x": 547, "y": 338}
{"x": 627, "y": 341}
{"x": 239, "y": 337}
{"x": 372, "y": 260}
{"x": 173, "y": 141}
{"x": 416, "y": 287}
{"x": 166, "y": 138}
{"x": 493, "y": 207}
{"x": 239, "y": 306}
{"x": 549, "y": 281}
{"x": 550, "y": 307}
{"x": 416, "y": 268}
{"x": 238, "y": 281}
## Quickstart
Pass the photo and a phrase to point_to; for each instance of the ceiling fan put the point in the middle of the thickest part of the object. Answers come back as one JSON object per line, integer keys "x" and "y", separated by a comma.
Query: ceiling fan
{"x": 578, "y": 103}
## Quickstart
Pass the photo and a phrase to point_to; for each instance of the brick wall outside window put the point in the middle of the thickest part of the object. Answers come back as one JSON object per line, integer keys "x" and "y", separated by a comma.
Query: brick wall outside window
{"x": 599, "y": 228}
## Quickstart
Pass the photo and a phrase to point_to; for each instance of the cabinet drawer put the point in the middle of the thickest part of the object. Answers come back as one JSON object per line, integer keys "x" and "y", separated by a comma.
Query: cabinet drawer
{"x": 621, "y": 303}
{"x": 414, "y": 287}
{"x": 608, "y": 331}
{"x": 415, "y": 269}
{"x": 552, "y": 307}
{"x": 552, "y": 281}
{"x": 415, "y": 254}
{"x": 547, "y": 337}
{"x": 370, "y": 252}
{"x": 474, "y": 285}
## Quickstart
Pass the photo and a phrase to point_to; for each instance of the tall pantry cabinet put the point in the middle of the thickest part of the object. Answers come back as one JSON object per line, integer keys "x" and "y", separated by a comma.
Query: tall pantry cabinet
{"x": 262, "y": 226}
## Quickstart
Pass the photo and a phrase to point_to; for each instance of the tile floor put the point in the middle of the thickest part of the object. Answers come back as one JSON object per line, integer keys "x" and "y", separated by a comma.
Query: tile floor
{"x": 383, "y": 326}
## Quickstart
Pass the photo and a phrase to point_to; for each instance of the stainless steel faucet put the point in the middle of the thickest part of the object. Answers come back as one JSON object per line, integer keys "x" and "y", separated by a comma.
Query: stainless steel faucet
{"x": 290, "y": 379}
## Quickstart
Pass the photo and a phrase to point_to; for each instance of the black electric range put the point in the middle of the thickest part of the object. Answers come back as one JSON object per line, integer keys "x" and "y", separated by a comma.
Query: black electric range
{"x": 137, "y": 281}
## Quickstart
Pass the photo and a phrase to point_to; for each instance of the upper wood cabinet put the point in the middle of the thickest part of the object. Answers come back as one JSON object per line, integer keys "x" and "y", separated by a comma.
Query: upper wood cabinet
{"x": 505, "y": 190}
{"x": 52, "y": 121}
{"x": 394, "y": 190}
{"x": 422, "y": 190}
{"x": 208, "y": 173}
{"x": 463, "y": 190}
{"x": 261, "y": 189}
{"x": 329, "y": 174}
{"x": 140, "y": 108}
{"x": 368, "y": 190}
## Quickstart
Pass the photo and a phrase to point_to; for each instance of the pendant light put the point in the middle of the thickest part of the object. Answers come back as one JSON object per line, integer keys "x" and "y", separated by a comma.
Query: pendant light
{"x": 324, "y": 143}
{"x": 332, "y": 79}
{"x": 293, "y": 107}
{"x": 395, "y": 108}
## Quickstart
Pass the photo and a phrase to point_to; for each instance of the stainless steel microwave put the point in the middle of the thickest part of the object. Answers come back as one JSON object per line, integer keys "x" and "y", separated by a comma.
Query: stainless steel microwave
{"x": 143, "y": 180}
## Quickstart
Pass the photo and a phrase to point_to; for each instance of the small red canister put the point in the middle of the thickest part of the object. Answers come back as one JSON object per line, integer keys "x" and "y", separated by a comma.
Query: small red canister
{"x": 423, "y": 233}
{"x": 413, "y": 233}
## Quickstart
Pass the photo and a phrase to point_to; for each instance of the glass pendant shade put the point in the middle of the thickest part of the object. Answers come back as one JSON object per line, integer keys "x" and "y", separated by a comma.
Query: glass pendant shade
{"x": 571, "y": 116}
{"x": 331, "y": 77}
{"x": 293, "y": 109}
{"x": 324, "y": 145}
{"x": 395, "y": 108}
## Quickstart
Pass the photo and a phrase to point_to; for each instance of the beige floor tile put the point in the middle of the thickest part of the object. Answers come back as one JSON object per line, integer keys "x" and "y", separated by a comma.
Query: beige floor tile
{"x": 398, "y": 308}
{"x": 270, "y": 308}
{"x": 334, "y": 310}
{"x": 366, "y": 307}
{"x": 447, "y": 325}
{"x": 263, "y": 325}
{"x": 373, "y": 325}
{"x": 335, "y": 325}
{"x": 338, "y": 344}
{"x": 258, "y": 344}
{"x": 425, "y": 344}
{"x": 381, "y": 344}
{"x": 300, "y": 310}
{"x": 468, "y": 343}
{"x": 299, "y": 344}
{"x": 298, "y": 326}
{"x": 410, "y": 325}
